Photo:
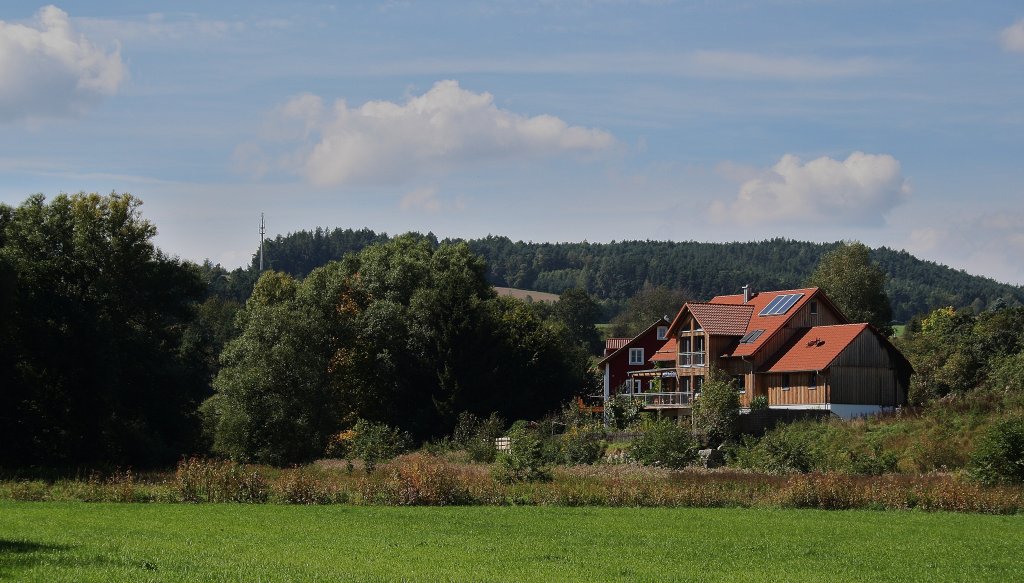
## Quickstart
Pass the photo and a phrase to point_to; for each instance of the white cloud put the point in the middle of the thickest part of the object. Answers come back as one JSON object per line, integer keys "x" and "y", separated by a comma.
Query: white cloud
{"x": 858, "y": 190}
{"x": 990, "y": 243}
{"x": 443, "y": 130}
{"x": 1013, "y": 37}
{"x": 47, "y": 69}
{"x": 421, "y": 199}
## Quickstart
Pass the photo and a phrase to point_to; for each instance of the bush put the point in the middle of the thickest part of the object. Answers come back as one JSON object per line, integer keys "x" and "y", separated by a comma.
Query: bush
{"x": 717, "y": 408}
{"x": 525, "y": 460}
{"x": 665, "y": 443}
{"x": 759, "y": 403}
{"x": 782, "y": 450}
{"x": 623, "y": 411}
{"x": 477, "y": 435}
{"x": 376, "y": 442}
{"x": 583, "y": 443}
{"x": 999, "y": 456}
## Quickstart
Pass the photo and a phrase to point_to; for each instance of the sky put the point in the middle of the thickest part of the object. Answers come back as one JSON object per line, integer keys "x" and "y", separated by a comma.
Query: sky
{"x": 893, "y": 123}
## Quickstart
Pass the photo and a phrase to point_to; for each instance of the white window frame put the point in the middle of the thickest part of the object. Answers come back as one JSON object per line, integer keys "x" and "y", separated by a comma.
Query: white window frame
{"x": 662, "y": 332}
{"x": 639, "y": 359}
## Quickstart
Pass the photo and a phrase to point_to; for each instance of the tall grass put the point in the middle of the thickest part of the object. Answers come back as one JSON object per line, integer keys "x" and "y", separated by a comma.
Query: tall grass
{"x": 424, "y": 480}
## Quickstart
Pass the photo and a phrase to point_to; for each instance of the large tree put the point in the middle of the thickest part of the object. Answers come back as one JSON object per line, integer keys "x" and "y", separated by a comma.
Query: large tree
{"x": 408, "y": 333}
{"x": 93, "y": 315}
{"x": 855, "y": 284}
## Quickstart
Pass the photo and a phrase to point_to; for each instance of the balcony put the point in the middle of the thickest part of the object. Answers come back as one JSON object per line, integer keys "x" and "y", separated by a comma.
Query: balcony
{"x": 664, "y": 400}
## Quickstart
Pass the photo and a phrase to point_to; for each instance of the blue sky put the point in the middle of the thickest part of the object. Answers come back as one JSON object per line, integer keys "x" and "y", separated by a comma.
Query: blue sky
{"x": 896, "y": 124}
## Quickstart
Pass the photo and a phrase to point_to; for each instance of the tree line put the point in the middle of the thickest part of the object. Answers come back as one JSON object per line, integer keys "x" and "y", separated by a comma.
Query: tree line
{"x": 614, "y": 272}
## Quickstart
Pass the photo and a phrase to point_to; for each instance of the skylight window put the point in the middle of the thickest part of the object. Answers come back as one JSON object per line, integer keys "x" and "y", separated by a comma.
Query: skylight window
{"x": 780, "y": 305}
{"x": 751, "y": 337}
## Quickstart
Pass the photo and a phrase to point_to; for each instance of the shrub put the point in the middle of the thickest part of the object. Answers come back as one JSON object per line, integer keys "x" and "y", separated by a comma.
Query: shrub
{"x": 428, "y": 481}
{"x": 782, "y": 450}
{"x": 759, "y": 403}
{"x": 524, "y": 461}
{"x": 665, "y": 443}
{"x": 717, "y": 408}
{"x": 476, "y": 435}
{"x": 623, "y": 411}
{"x": 999, "y": 455}
{"x": 583, "y": 443}
{"x": 376, "y": 442}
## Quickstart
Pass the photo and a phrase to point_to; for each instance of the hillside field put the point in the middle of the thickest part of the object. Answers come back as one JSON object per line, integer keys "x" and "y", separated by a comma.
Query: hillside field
{"x": 47, "y": 541}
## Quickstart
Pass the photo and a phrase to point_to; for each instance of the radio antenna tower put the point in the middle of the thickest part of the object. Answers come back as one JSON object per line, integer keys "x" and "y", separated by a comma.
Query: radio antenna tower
{"x": 263, "y": 232}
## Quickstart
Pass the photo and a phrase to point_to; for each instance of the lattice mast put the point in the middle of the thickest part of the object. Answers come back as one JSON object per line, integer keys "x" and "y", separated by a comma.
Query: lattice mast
{"x": 263, "y": 232}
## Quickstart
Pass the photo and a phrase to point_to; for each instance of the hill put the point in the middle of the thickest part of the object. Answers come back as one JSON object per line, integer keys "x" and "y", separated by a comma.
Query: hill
{"x": 615, "y": 271}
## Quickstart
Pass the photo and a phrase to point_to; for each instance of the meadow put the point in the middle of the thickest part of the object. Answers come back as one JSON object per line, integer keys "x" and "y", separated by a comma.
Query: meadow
{"x": 75, "y": 541}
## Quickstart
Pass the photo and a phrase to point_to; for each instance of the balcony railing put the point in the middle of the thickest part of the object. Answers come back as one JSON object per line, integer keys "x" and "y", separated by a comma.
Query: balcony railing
{"x": 660, "y": 400}
{"x": 691, "y": 359}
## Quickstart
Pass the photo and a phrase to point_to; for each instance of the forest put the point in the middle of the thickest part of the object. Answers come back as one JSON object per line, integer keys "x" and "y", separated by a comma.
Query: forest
{"x": 614, "y": 272}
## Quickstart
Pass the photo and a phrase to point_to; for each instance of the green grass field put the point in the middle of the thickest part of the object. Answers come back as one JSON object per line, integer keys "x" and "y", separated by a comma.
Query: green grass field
{"x": 48, "y": 541}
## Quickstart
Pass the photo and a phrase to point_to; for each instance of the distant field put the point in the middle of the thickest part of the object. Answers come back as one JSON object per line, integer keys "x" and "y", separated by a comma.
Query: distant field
{"x": 522, "y": 294}
{"x": 48, "y": 541}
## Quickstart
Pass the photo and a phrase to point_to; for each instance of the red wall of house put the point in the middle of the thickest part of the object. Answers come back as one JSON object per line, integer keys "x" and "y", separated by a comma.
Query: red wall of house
{"x": 619, "y": 364}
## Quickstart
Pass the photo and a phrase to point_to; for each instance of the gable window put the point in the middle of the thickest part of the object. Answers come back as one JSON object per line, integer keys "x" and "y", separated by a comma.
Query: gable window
{"x": 698, "y": 351}
{"x": 814, "y": 308}
{"x": 684, "y": 351}
{"x": 785, "y": 382}
{"x": 636, "y": 356}
{"x": 662, "y": 332}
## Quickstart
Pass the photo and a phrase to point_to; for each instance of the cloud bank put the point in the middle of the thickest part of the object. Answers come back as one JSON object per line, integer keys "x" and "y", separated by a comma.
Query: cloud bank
{"x": 1013, "y": 37}
{"x": 858, "y": 190}
{"x": 47, "y": 69}
{"x": 443, "y": 130}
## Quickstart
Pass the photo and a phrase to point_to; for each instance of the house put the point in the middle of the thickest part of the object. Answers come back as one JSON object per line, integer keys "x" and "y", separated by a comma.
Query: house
{"x": 793, "y": 347}
{"x": 625, "y": 355}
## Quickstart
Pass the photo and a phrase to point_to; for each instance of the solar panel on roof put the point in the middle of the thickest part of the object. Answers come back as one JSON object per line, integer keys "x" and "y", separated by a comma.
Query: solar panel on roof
{"x": 788, "y": 303}
{"x": 771, "y": 306}
{"x": 781, "y": 304}
{"x": 751, "y": 337}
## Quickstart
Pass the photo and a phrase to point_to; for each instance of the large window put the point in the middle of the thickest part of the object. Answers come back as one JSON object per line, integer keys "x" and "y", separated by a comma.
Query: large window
{"x": 691, "y": 351}
{"x": 738, "y": 380}
{"x": 785, "y": 382}
{"x": 636, "y": 356}
{"x": 813, "y": 383}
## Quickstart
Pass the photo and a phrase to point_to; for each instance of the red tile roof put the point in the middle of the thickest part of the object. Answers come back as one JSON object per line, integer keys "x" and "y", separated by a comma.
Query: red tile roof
{"x": 770, "y": 324}
{"x": 815, "y": 348}
{"x": 616, "y": 343}
{"x": 722, "y": 319}
{"x": 667, "y": 351}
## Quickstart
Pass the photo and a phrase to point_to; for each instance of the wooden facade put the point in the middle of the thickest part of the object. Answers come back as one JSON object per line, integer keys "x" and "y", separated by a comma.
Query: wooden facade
{"x": 811, "y": 357}
{"x": 868, "y": 372}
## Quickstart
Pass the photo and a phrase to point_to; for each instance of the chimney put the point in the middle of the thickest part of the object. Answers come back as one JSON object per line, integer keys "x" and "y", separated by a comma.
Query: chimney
{"x": 746, "y": 293}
